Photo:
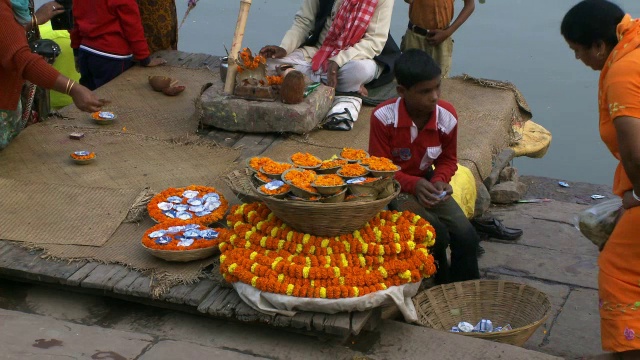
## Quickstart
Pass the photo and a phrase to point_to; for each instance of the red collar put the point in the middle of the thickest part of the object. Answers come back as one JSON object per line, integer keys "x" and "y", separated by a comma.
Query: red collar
{"x": 404, "y": 120}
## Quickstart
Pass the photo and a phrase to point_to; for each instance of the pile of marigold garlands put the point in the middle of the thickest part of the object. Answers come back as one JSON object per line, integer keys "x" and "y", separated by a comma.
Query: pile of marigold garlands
{"x": 262, "y": 251}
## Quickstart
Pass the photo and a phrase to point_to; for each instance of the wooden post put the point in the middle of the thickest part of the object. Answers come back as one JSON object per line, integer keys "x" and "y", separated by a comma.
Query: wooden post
{"x": 236, "y": 46}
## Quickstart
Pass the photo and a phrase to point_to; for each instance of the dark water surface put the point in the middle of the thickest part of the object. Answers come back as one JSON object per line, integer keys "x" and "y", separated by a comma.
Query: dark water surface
{"x": 512, "y": 40}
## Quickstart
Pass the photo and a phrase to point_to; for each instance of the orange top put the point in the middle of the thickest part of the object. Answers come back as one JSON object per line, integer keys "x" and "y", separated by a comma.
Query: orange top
{"x": 431, "y": 14}
{"x": 619, "y": 93}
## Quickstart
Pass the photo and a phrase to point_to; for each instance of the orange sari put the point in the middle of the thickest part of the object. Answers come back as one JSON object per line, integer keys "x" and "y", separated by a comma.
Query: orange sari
{"x": 619, "y": 276}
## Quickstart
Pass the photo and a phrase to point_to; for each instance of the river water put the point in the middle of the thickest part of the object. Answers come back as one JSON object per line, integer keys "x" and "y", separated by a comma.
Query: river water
{"x": 511, "y": 40}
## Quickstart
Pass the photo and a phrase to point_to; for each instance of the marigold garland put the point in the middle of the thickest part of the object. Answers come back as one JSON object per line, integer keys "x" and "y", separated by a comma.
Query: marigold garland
{"x": 90, "y": 156}
{"x": 173, "y": 245}
{"x": 353, "y": 154}
{"x": 352, "y": 170}
{"x": 159, "y": 216}
{"x": 328, "y": 180}
{"x": 261, "y": 251}
{"x": 305, "y": 159}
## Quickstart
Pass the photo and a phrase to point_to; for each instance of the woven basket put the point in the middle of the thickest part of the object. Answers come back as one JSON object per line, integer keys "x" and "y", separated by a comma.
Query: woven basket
{"x": 239, "y": 181}
{"x": 524, "y": 307}
{"x": 183, "y": 255}
{"x": 326, "y": 219}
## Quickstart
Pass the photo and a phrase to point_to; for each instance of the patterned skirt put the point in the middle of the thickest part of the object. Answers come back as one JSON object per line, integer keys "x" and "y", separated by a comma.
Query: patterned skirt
{"x": 10, "y": 125}
{"x": 160, "y": 22}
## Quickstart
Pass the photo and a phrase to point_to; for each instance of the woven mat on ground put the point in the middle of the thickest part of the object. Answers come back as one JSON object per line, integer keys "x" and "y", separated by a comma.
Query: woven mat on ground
{"x": 141, "y": 110}
{"x": 486, "y": 113}
{"x": 40, "y": 153}
{"x": 38, "y": 213}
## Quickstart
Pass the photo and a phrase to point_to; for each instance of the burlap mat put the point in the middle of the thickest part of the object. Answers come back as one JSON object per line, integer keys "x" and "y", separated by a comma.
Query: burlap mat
{"x": 61, "y": 214}
{"x": 143, "y": 111}
{"x": 486, "y": 113}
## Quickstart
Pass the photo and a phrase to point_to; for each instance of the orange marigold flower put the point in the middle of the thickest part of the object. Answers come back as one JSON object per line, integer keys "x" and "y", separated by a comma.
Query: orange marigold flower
{"x": 263, "y": 177}
{"x": 353, "y": 154}
{"x": 89, "y": 156}
{"x": 380, "y": 164}
{"x": 300, "y": 177}
{"x": 257, "y": 162}
{"x": 275, "y": 168}
{"x": 352, "y": 170}
{"x": 330, "y": 164}
{"x": 275, "y": 80}
{"x": 281, "y": 190}
{"x": 328, "y": 180}
{"x": 305, "y": 159}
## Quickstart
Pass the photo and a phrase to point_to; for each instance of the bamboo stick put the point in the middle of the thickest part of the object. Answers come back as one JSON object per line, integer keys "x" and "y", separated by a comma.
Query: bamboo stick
{"x": 236, "y": 46}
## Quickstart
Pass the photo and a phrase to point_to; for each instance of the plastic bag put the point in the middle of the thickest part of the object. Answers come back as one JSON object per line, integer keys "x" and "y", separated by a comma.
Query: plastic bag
{"x": 597, "y": 222}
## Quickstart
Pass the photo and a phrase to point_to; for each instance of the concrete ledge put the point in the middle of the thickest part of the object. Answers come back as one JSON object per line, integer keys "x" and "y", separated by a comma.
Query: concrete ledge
{"x": 234, "y": 114}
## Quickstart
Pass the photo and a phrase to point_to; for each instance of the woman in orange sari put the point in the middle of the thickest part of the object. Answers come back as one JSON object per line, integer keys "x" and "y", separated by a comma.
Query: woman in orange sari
{"x": 606, "y": 39}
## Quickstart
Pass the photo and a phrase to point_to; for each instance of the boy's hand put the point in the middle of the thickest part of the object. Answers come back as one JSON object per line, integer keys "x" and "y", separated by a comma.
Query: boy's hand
{"x": 443, "y": 187}
{"x": 156, "y": 62}
{"x": 436, "y": 37}
{"x": 427, "y": 193}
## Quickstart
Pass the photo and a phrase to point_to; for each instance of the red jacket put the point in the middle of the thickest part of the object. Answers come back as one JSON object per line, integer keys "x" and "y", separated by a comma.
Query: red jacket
{"x": 17, "y": 62}
{"x": 395, "y": 136}
{"x": 110, "y": 26}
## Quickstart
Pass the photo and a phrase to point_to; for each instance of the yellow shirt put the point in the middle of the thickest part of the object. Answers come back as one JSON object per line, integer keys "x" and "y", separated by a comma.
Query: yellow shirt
{"x": 64, "y": 63}
{"x": 431, "y": 14}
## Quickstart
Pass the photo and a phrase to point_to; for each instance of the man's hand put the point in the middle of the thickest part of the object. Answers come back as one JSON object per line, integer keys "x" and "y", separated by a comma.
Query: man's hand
{"x": 273, "y": 52}
{"x": 443, "y": 186}
{"x": 427, "y": 193}
{"x": 332, "y": 74}
{"x": 48, "y": 11}
{"x": 436, "y": 37}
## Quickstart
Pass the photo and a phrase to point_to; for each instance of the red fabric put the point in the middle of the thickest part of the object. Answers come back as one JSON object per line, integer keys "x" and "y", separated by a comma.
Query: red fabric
{"x": 111, "y": 26}
{"x": 17, "y": 62}
{"x": 348, "y": 27}
{"x": 394, "y": 142}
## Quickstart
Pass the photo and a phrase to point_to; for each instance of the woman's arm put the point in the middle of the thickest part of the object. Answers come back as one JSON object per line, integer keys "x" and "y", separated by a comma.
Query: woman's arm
{"x": 628, "y": 131}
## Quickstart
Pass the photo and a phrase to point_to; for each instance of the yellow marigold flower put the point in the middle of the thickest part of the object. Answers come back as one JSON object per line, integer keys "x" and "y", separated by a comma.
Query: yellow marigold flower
{"x": 260, "y": 225}
{"x": 280, "y": 278}
{"x": 411, "y": 245}
{"x": 394, "y": 229}
{"x": 356, "y": 234}
{"x": 381, "y": 249}
{"x": 232, "y": 268}
{"x": 222, "y": 258}
{"x": 281, "y": 244}
{"x": 299, "y": 248}
{"x": 415, "y": 219}
{"x": 247, "y": 235}
{"x": 323, "y": 293}
{"x": 313, "y": 283}
{"x": 405, "y": 275}
{"x": 247, "y": 244}
{"x": 381, "y": 259}
{"x": 254, "y": 281}
{"x": 328, "y": 258}
{"x": 233, "y": 238}
{"x": 324, "y": 243}
{"x": 270, "y": 216}
{"x": 395, "y": 217}
{"x": 305, "y": 238}
{"x": 307, "y": 261}
{"x": 384, "y": 286}
{"x": 263, "y": 242}
{"x": 290, "y": 289}
{"x": 356, "y": 291}
{"x": 290, "y": 258}
{"x": 312, "y": 250}
{"x": 222, "y": 245}
{"x": 254, "y": 267}
{"x": 365, "y": 248}
{"x": 266, "y": 252}
{"x": 396, "y": 239}
{"x": 383, "y": 272}
{"x": 290, "y": 236}
{"x": 336, "y": 271}
{"x": 341, "y": 280}
{"x": 343, "y": 258}
{"x": 329, "y": 251}
{"x": 398, "y": 248}
{"x": 363, "y": 262}
{"x": 347, "y": 246}
{"x": 305, "y": 271}
{"x": 251, "y": 214}
{"x": 275, "y": 262}
{"x": 274, "y": 232}
{"x": 327, "y": 265}
{"x": 382, "y": 221}
{"x": 253, "y": 255}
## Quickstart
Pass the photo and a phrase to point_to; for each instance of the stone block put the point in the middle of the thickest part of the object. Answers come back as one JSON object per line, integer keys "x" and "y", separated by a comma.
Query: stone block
{"x": 499, "y": 162}
{"x": 507, "y": 192}
{"x": 483, "y": 200}
{"x": 234, "y": 114}
{"x": 509, "y": 174}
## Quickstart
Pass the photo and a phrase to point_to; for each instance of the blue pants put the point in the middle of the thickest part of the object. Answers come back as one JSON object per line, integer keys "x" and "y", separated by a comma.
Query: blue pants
{"x": 454, "y": 230}
{"x": 97, "y": 70}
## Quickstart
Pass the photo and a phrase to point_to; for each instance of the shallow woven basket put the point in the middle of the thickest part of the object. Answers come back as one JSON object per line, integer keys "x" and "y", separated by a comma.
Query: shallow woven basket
{"x": 239, "y": 181}
{"x": 183, "y": 255}
{"x": 326, "y": 219}
{"x": 524, "y": 307}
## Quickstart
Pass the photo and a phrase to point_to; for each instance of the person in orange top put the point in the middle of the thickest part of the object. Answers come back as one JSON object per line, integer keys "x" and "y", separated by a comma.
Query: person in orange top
{"x": 431, "y": 28}
{"x": 607, "y": 40}
{"x": 18, "y": 63}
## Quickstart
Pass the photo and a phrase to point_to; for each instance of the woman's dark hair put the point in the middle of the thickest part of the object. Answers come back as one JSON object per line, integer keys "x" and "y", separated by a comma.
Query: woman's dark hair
{"x": 415, "y": 66}
{"x": 591, "y": 21}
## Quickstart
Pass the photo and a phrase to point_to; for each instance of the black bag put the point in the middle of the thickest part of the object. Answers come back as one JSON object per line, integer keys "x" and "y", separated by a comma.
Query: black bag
{"x": 46, "y": 48}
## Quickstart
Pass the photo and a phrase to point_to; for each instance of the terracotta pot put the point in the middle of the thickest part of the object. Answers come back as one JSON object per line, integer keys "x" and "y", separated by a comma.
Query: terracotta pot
{"x": 173, "y": 90}
{"x": 159, "y": 83}
{"x": 292, "y": 88}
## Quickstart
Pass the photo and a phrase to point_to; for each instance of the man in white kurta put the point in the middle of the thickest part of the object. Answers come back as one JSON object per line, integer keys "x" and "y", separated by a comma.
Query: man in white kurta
{"x": 351, "y": 68}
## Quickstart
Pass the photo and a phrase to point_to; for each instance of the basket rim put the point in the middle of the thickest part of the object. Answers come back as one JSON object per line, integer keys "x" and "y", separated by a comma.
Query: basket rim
{"x": 192, "y": 251}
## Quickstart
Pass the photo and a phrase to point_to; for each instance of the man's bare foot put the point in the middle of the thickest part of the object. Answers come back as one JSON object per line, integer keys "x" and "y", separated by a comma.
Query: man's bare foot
{"x": 363, "y": 91}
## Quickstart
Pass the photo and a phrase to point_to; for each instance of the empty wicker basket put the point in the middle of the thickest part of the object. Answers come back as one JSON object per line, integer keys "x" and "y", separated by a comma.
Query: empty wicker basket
{"x": 524, "y": 307}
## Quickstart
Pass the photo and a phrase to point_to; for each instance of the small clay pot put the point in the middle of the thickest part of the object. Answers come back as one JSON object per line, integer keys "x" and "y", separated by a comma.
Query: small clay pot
{"x": 292, "y": 88}
{"x": 173, "y": 90}
{"x": 159, "y": 83}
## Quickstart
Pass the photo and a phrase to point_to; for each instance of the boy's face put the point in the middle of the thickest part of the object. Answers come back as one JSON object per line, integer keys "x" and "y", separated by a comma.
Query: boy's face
{"x": 423, "y": 96}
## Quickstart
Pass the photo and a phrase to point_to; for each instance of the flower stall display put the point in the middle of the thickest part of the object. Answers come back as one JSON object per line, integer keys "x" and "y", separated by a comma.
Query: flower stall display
{"x": 192, "y": 204}
{"x": 174, "y": 240}
{"x": 261, "y": 251}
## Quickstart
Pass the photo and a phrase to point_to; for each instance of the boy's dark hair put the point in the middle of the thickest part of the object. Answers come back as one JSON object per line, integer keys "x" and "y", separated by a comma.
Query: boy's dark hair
{"x": 591, "y": 21}
{"x": 415, "y": 66}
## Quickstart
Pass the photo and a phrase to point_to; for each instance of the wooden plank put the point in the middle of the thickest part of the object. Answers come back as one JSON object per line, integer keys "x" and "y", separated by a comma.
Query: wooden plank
{"x": 249, "y": 145}
{"x": 338, "y": 324}
{"x": 116, "y": 278}
{"x": 224, "y": 138}
{"x": 81, "y": 274}
{"x": 122, "y": 285}
{"x": 176, "y": 294}
{"x": 98, "y": 278}
{"x": 5, "y": 246}
{"x": 202, "y": 289}
{"x": 14, "y": 254}
{"x": 302, "y": 320}
{"x": 318, "y": 320}
{"x": 203, "y": 307}
{"x": 141, "y": 287}
{"x": 246, "y": 313}
{"x": 359, "y": 319}
{"x": 281, "y": 321}
{"x": 219, "y": 307}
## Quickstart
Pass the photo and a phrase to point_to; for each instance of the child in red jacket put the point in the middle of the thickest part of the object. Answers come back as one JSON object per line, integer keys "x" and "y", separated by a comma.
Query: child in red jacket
{"x": 106, "y": 38}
